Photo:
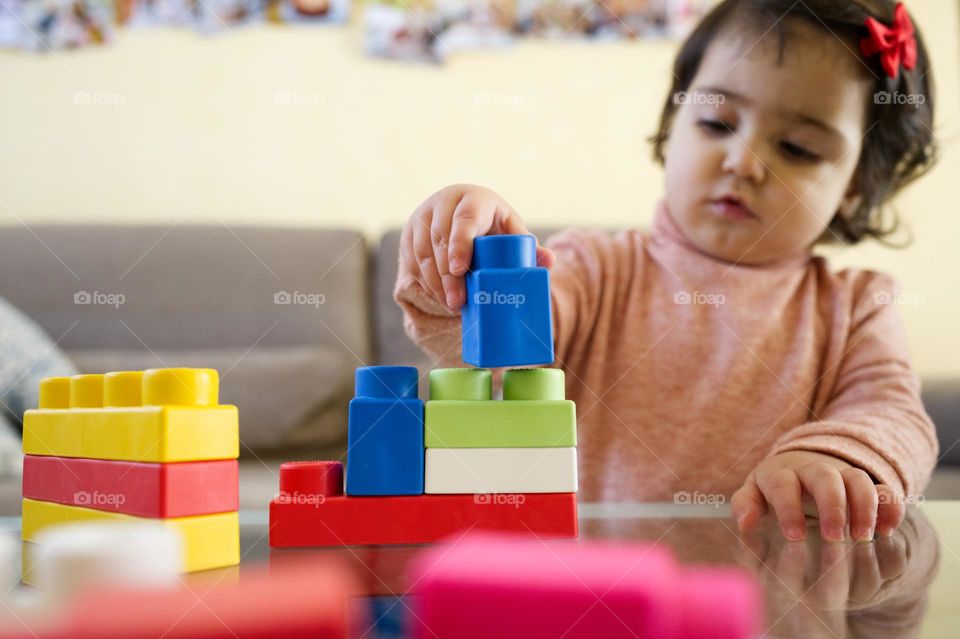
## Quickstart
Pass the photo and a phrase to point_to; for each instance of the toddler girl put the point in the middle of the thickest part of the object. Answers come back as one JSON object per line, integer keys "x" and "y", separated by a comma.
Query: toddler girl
{"x": 716, "y": 354}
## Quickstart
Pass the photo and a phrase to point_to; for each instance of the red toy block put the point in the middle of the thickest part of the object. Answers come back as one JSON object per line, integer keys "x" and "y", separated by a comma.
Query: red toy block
{"x": 417, "y": 519}
{"x": 310, "y": 600}
{"x": 312, "y": 511}
{"x": 380, "y": 570}
{"x": 133, "y": 488}
{"x": 485, "y": 585}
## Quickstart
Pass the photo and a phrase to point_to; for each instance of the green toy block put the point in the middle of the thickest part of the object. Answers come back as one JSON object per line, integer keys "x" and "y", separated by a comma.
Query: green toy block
{"x": 533, "y": 383}
{"x": 533, "y": 413}
{"x": 460, "y": 383}
{"x": 474, "y": 384}
{"x": 500, "y": 424}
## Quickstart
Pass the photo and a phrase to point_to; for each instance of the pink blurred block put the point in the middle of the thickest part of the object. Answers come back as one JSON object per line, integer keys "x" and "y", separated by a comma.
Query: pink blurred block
{"x": 484, "y": 585}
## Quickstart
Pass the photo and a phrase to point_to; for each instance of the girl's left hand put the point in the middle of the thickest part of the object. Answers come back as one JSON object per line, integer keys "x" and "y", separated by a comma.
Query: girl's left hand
{"x": 843, "y": 495}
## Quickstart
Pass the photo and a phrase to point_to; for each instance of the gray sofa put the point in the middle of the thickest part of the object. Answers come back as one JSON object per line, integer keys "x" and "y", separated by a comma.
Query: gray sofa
{"x": 285, "y": 315}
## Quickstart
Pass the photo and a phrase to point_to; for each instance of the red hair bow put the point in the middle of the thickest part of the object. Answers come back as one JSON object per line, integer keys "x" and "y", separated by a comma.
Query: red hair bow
{"x": 895, "y": 43}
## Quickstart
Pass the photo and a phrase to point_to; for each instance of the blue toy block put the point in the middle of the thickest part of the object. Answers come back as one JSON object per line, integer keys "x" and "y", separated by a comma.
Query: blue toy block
{"x": 385, "y": 433}
{"x": 507, "y": 319}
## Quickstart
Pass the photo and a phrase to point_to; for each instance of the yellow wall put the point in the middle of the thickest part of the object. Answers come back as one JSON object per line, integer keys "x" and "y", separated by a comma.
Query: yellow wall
{"x": 295, "y": 126}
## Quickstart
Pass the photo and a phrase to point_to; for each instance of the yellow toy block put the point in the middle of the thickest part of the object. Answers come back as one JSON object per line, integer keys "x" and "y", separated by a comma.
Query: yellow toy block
{"x": 209, "y": 541}
{"x": 158, "y": 415}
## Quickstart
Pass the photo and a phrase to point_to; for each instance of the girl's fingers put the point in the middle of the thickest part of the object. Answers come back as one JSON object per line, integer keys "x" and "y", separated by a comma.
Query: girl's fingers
{"x": 890, "y": 510}
{"x": 506, "y": 221}
{"x": 440, "y": 241}
{"x": 862, "y": 503}
{"x": 825, "y": 485}
{"x": 782, "y": 491}
{"x": 747, "y": 505}
{"x": 545, "y": 257}
{"x": 471, "y": 217}
{"x": 408, "y": 263}
{"x": 423, "y": 254}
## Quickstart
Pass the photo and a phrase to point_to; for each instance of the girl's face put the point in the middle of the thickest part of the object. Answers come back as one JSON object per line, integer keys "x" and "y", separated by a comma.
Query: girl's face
{"x": 762, "y": 151}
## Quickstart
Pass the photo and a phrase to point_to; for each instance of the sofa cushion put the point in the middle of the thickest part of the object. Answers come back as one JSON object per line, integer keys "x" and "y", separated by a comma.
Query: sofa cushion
{"x": 295, "y": 396}
{"x": 941, "y": 397}
{"x": 180, "y": 286}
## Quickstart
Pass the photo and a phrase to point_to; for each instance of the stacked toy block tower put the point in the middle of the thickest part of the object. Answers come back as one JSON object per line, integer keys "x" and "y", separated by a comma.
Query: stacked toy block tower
{"x": 419, "y": 473}
{"x": 151, "y": 445}
{"x": 525, "y": 443}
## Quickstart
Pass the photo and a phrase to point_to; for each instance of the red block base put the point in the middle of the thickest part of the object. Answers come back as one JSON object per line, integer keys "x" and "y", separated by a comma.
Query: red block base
{"x": 143, "y": 489}
{"x": 345, "y": 521}
{"x": 311, "y": 600}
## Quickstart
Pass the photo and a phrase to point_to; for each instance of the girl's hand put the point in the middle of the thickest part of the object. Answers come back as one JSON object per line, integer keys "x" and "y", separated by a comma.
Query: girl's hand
{"x": 436, "y": 244}
{"x": 843, "y": 495}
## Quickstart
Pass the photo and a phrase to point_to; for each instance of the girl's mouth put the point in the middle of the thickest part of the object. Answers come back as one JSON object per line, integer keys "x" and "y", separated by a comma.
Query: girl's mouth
{"x": 733, "y": 209}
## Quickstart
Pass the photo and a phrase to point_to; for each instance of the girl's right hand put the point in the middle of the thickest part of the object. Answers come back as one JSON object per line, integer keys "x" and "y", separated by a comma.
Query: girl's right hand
{"x": 436, "y": 244}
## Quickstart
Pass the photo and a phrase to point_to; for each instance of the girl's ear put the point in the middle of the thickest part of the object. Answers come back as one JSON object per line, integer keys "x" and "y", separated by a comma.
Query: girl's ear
{"x": 851, "y": 201}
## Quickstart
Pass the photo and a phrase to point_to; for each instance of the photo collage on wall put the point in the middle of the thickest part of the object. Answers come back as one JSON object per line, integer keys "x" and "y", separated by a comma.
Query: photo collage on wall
{"x": 416, "y": 30}
{"x": 428, "y": 30}
{"x": 50, "y": 25}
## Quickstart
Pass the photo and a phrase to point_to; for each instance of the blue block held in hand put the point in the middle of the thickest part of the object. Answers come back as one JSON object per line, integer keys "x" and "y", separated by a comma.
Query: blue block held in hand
{"x": 507, "y": 320}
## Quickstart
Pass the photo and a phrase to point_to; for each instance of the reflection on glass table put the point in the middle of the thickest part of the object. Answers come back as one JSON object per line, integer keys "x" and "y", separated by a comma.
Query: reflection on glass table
{"x": 902, "y": 586}
{"x": 812, "y": 588}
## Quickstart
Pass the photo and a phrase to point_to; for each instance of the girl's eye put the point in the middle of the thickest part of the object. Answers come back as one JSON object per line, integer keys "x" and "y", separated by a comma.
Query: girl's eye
{"x": 715, "y": 126}
{"x": 798, "y": 151}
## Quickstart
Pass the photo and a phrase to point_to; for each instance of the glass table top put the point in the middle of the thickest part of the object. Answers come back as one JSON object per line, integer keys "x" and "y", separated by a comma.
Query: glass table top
{"x": 907, "y": 585}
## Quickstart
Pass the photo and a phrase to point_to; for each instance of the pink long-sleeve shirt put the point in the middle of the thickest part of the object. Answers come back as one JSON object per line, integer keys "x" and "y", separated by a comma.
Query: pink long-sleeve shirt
{"x": 687, "y": 371}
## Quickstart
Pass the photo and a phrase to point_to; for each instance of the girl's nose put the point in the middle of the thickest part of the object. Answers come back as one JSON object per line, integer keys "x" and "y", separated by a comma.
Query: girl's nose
{"x": 743, "y": 161}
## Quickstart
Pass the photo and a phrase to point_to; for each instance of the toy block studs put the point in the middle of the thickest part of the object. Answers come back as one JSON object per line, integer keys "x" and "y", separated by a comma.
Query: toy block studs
{"x": 504, "y": 251}
{"x": 533, "y": 384}
{"x": 386, "y": 382}
{"x": 86, "y": 391}
{"x": 468, "y": 384}
{"x": 55, "y": 392}
{"x": 311, "y": 478}
{"x": 507, "y": 320}
{"x": 123, "y": 388}
{"x": 385, "y": 433}
{"x": 181, "y": 387}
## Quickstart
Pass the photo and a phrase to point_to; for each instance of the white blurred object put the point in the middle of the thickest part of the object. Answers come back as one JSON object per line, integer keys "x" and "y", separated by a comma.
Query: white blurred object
{"x": 9, "y": 547}
{"x": 75, "y": 556}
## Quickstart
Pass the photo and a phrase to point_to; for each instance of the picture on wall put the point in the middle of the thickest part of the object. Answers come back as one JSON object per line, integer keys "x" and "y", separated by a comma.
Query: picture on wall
{"x": 153, "y": 13}
{"x": 414, "y": 30}
{"x": 65, "y": 24}
{"x": 429, "y": 30}
{"x": 11, "y": 27}
{"x": 610, "y": 19}
{"x": 308, "y": 11}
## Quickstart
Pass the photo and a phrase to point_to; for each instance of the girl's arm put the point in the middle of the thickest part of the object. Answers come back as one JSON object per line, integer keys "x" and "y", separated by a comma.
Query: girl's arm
{"x": 870, "y": 448}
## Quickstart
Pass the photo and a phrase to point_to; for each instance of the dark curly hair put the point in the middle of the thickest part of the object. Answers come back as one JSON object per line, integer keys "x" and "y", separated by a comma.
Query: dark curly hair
{"x": 899, "y": 145}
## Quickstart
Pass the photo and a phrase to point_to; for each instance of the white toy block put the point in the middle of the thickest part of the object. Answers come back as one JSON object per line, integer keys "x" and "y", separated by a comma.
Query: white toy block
{"x": 500, "y": 470}
{"x": 71, "y": 558}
